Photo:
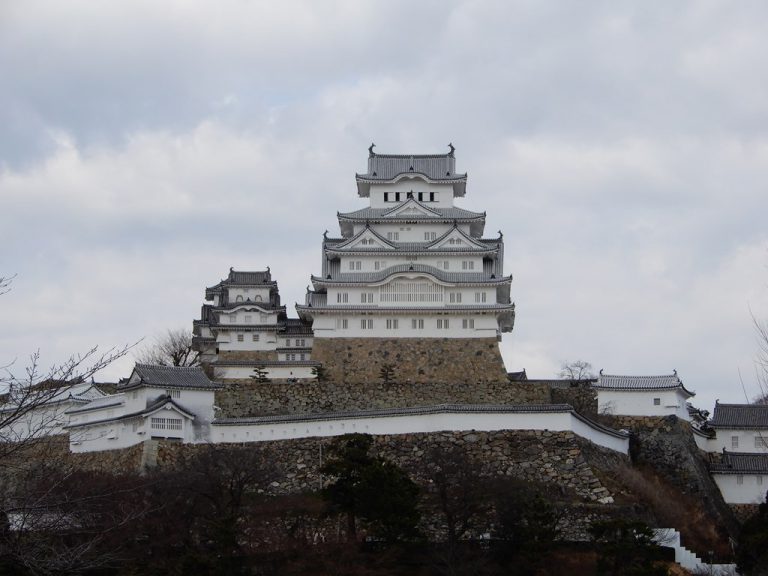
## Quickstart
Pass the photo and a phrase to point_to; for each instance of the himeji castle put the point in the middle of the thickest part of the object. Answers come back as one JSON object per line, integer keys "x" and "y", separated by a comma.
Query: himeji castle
{"x": 410, "y": 281}
{"x": 411, "y": 264}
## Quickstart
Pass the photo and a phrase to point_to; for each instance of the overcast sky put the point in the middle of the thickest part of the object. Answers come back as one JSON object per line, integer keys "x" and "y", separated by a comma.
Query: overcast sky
{"x": 146, "y": 147}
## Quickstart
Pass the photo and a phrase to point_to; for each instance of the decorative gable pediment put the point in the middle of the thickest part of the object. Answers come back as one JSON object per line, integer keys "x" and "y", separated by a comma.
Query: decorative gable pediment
{"x": 455, "y": 239}
{"x": 366, "y": 240}
{"x": 411, "y": 208}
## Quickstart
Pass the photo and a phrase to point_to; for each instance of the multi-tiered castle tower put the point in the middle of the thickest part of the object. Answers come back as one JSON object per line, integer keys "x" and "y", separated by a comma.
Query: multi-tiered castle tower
{"x": 410, "y": 274}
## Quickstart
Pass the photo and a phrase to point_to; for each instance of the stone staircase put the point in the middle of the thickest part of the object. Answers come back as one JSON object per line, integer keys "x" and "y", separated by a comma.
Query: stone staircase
{"x": 670, "y": 538}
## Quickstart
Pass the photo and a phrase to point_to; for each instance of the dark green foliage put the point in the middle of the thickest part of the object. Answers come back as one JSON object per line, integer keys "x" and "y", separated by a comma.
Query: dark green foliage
{"x": 387, "y": 373}
{"x": 627, "y": 549}
{"x": 526, "y": 519}
{"x": 370, "y": 489}
{"x": 260, "y": 375}
{"x": 752, "y": 551}
{"x": 321, "y": 373}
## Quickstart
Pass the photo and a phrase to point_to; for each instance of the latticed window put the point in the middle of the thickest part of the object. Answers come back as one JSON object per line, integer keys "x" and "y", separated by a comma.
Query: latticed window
{"x": 391, "y": 323}
{"x": 413, "y": 291}
{"x": 417, "y": 323}
{"x": 166, "y": 423}
{"x": 173, "y": 393}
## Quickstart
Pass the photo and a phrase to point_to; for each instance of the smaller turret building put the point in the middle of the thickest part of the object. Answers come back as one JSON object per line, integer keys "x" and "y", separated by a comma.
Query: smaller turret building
{"x": 245, "y": 327}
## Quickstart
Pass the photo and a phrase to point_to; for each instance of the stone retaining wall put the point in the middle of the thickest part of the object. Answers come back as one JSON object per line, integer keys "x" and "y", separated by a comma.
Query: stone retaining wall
{"x": 242, "y": 398}
{"x": 666, "y": 443}
{"x": 536, "y": 456}
{"x": 419, "y": 360}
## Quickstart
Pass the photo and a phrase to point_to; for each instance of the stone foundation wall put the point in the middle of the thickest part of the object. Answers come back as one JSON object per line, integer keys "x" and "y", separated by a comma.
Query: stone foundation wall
{"x": 241, "y": 398}
{"x": 666, "y": 444}
{"x": 555, "y": 458}
{"x": 416, "y": 360}
{"x": 581, "y": 396}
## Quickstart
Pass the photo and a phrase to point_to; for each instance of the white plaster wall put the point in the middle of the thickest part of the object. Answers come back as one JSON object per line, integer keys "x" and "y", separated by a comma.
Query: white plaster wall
{"x": 106, "y": 436}
{"x": 257, "y": 317}
{"x": 443, "y": 192}
{"x": 253, "y": 293}
{"x": 273, "y": 372}
{"x": 486, "y": 326}
{"x": 44, "y": 420}
{"x": 421, "y": 227}
{"x": 640, "y": 403}
{"x": 228, "y": 340}
{"x": 751, "y": 491}
{"x": 748, "y": 440}
{"x": 411, "y": 424}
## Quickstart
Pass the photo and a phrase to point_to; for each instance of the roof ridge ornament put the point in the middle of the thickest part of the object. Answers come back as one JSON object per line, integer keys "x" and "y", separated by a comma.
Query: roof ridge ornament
{"x": 452, "y": 147}
{"x": 371, "y": 153}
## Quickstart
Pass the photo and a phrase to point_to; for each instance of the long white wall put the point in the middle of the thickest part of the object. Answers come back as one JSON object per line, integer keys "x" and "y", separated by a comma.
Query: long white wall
{"x": 742, "y": 488}
{"x": 265, "y": 429}
{"x": 482, "y": 325}
{"x": 642, "y": 403}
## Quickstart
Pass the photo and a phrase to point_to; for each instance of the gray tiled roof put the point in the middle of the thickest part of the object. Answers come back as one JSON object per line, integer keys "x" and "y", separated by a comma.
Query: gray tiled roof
{"x": 483, "y": 245}
{"x": 255, "y": 277}
{"x": 740, "y": 463}
{"x": 433, "y": 166}
{"x": 453, "y": 277}
{"x": 615, "y": 382}
{"x": 442, "y": 214}
{"x": 753, "y": 416}
{"x": 169, "y": 377}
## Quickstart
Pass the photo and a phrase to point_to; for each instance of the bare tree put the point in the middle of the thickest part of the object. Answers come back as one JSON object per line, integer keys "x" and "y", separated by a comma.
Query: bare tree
{"x": 761, "y": 361}
{"x": 576, "y": 370}
{"x": 174, "y": 348}
{"x": 46, "y": 519}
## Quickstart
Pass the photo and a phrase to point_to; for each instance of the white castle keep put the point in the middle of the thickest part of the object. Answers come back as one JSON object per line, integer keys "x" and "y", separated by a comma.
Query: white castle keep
{"x": 411, "y": 264}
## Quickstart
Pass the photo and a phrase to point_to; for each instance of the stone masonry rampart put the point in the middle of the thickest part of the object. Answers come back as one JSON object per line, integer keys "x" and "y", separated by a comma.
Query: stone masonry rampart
{"x": 419, "y": 360}
{"x": 241, "y": 398}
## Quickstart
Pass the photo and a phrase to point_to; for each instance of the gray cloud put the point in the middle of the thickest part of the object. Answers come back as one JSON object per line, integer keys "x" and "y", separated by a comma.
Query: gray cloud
{"x": 622, "y": 150}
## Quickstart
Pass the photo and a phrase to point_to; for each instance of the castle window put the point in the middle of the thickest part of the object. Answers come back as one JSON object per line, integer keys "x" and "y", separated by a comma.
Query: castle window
{"x": 417, "y": 323}
{"x": 657, "y": 401}
{"x": 173, "y": 393}
{"x": 411, "y": 291}
{"x": 233, "y": 319}
{"x": 386, "y": 196}
{"x": 430, "y": 235}
{"x": 452, "y": 241}
{"x": 292, "y": 357}
{"x": 263, "y": 318}
{"x": 421, "y": 196}
{"x": 247, "y": 319}
{"x": 166, "y": 423}
{"x": 342, "y": 323}
{"x": 431, "y": 196}
{"x": 301, "y": 357}
{"x": 391, "y": 323}
{"x": 342, "y": 297}
{"x": 239, "y": 298}
{"x": 366, "y": 323}
{"x": 734, "y": 441}
{"x": 301, "y": 343}
{"x": 255, "y": 337}
{"x": 468, "y": 323}
{"x": 455, "y": 297}
{"x": 761, "y": 442}
{"x": 442, "y": 264}
{"x": 366, "y": 297}
{"x": 355, "y": 264}
{"x": 393, "y": 236}
{"x": 442, "y": 323}
{"x": 467, "y": 265}
{"x": 240, "y": 337}
{"x": 480, "y": 297}
{"x": 397, "y": 196}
